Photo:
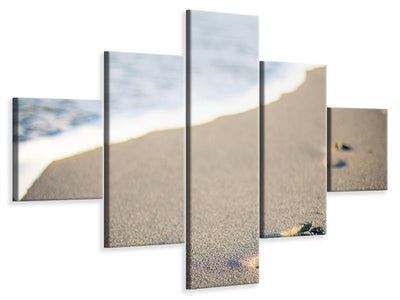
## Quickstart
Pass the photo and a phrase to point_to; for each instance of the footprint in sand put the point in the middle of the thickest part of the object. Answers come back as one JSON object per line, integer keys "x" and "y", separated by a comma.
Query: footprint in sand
{"x": 339, "y": 164}
{"x": 339, "y": 147}
{"x": 250, "y": 262}
{"x": 309, "y": 228}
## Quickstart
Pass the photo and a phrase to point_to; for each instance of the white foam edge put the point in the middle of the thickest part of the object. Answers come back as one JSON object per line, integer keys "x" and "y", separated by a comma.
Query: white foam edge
{"x": 34, "y": 156}
{"x": 296, "y": 75}
{"x": 123, "y": 128}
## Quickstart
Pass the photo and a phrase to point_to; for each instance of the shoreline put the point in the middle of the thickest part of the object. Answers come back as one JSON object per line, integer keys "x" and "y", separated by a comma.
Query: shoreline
{"x": 36, "y": 155}
{"x": 294, "y": 161}
{"x": 289, "y": 84}
{"x": 75, "y": 177}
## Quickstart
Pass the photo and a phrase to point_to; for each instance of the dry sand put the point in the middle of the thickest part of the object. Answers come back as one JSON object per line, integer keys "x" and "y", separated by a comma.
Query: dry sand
{"x": 223, "y": 215}
{"x": 76, "y": 177}
{"x": 357, "y": 158}
{"x": 295, "y": 161}
{"x": 144, "y": 193}
{"x": 144, "y": 201}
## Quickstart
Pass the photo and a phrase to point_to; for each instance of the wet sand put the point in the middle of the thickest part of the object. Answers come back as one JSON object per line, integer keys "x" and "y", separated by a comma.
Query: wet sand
{"x": 294, "y": 189}
{"x": 357, "y": 159}
{"x": 76, "y": 177}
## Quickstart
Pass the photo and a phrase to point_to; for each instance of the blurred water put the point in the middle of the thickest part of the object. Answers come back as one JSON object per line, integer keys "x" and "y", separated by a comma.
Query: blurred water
{"x": 224, "y": 64}
{"x": 275, "y": 71}
{"x": 51, "y": 129}
{"x": 49, "y": 117}
{"x": 283, "y": 77}
{"x": 142, "y": 82}
{"x": 146, "y": 93}
{"x": 224, "y": 54}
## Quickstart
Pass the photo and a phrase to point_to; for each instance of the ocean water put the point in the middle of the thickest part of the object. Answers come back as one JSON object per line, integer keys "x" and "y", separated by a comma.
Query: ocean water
{"x": 146, "y": 93}
{"x": 224, "y": 65}
{"x": 283, "y": 77}
{"x": 49, "y": 117}
{"x": 51, "y": 129}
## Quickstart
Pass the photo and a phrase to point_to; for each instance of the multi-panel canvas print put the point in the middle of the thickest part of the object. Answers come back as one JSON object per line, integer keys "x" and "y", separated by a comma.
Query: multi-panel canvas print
{"x": 144, "y": 149}
{"x": 222, "y": 149}
{"x": 57, "y": 149}
{"x": 248, "y": 152}
{"x": 293, "y": 149}
{"x": 357, "y": 149}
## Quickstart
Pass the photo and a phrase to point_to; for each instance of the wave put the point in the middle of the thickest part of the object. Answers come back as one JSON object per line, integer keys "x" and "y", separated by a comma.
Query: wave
{"x": 123, "y": 128}
{"x": 281, "y": 78}
{"x": 35, "y": 155}
{"x": 204, "y": 110}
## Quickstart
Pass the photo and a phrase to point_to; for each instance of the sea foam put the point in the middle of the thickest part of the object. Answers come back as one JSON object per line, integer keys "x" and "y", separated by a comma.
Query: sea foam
{"x": 36, "y": 154}
{"x": 281, "y": 78}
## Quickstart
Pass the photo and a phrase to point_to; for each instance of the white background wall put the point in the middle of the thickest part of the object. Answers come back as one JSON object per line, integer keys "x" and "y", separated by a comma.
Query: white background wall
{"x": 53, "y": 250}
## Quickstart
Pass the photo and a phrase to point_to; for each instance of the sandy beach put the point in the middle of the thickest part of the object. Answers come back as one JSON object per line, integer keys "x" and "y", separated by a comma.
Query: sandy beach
{"x": 294, "y": 169}
{"x": 76, "y": 177}
{"x": 144, "y": 195}
{"x": 357, "y": 159}
{"x": 222, "y": 245}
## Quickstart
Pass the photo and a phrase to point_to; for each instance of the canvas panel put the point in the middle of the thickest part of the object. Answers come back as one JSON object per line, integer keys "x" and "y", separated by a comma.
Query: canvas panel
{"x": 293, "y": 156}
{"x": 222, "y": 149}
{"x": 57, "y": 149}
{"x": 357, "y": 149}
{"x": 144, "y": 149}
